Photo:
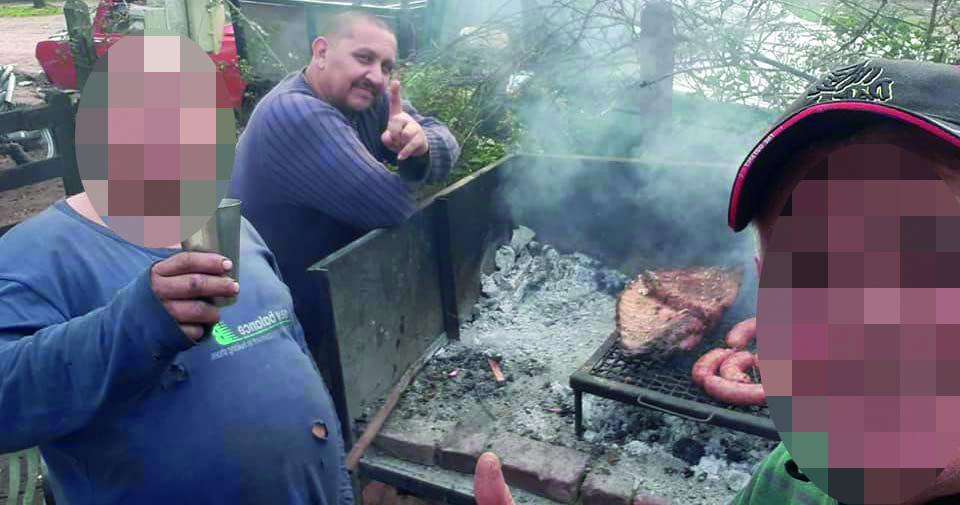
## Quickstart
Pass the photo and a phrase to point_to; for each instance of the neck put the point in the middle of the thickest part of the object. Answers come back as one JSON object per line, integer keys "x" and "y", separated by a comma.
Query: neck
{"x": 312, "y": 75}
{"x": 81, "y": 203}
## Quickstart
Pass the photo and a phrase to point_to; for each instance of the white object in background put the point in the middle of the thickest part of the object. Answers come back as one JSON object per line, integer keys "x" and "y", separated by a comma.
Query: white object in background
{"x": 516, "y": 81}
{"x": 199, "y": 20}
{"x": 479, "y": 37}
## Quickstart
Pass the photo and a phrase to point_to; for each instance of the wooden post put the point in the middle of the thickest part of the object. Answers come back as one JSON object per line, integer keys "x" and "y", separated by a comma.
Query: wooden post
{"x": 653, "y": 101}
{"x": 405, "y": 32}
{"x": 436, "y": 15}
{"x": 63, "y": 114}
{"x": 199, "y": 20}
{"x": 80, "y": 32}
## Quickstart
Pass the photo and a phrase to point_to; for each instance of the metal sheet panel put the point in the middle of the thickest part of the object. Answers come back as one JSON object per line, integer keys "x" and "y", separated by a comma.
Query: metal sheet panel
{"x": 385, "y": 297}
{"x": 478, "y": 223}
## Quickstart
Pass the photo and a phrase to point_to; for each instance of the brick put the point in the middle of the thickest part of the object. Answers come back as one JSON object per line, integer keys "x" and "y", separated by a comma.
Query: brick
{"x": 649, "y": 499}
{"x": 544, "y": 469}
{"x": 605, "y": 486}
{"x": 465, "y": 442}
{"x": 462, "y": 446}
{"x": 416, "y": 445}
{"x": 378, "y": 493}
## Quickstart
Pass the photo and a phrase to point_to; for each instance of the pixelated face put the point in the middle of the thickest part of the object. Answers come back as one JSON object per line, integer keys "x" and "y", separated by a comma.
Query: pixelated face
{"x": 859, "y": 322}
{"x": 155, "y": 139}
{"x": 358, "y": 64}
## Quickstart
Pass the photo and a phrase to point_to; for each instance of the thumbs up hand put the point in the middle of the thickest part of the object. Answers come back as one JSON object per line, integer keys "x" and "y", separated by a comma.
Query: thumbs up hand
{"x": 489, "y": 487}
{"x": 404, "y": 135}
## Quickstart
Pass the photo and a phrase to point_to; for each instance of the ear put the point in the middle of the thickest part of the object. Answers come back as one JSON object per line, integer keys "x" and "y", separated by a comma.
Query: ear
{"x": 756, "y": 261}
{"x": 319, "y": 47}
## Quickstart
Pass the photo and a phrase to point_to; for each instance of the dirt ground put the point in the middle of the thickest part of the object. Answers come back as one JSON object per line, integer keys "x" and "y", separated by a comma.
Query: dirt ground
{"x": 20, "y": 37}
{"x": 17, "y": 46}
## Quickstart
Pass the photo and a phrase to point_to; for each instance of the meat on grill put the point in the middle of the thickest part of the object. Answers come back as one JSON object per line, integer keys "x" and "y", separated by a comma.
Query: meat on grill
{"x": 704, "y": 291}
{"x": 645, "y": 325}
{"x": 670, "y": 310}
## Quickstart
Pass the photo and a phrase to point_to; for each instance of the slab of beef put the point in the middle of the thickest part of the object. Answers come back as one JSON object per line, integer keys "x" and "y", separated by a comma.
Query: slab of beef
{"x": 704, "y": 291}
{"x": 646, "y": 326}
{"x": 670, "y": 310}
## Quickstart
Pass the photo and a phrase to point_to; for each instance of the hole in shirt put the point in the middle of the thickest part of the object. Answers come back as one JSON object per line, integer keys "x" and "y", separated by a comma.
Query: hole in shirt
{"x": 794, "y": 471}
{"x": 179, "y": 372}
{"x": 319, "y": 430}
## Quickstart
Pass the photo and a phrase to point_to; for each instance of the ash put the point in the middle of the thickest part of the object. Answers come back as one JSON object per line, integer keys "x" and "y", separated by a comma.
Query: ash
{"x": 542, "y": 315}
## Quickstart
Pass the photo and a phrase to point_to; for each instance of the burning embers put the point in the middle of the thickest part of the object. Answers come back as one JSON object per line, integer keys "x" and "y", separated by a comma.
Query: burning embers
{"x": 542, "y": 314}
{"x": 670, "y": 310}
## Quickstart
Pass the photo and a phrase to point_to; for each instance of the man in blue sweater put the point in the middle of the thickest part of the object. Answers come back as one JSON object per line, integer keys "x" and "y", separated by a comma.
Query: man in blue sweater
{"x": 310, "y": 166}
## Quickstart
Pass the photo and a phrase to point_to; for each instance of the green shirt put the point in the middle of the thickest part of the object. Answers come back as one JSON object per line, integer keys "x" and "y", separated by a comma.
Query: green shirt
{"x": 778, "y": 480}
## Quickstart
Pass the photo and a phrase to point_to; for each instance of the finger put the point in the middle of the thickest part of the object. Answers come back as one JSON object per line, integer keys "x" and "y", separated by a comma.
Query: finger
{"x": 193, "y": 262}
{"x": 395, "y": 127}
{"x": 194, "y": 332}
{"x": 409, "y": 132}
{"x": 489, "y": 488}
{"x": 412, "y": 148}
{"x": 192, "y": 286}
{"x": 193, "y": 311}
{"x": 396, "y": 107}
{"x": 387, "y": 139}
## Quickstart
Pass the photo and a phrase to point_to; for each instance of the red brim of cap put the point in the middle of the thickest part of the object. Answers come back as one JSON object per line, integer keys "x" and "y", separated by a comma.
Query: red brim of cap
{"x": 740, "y": 211}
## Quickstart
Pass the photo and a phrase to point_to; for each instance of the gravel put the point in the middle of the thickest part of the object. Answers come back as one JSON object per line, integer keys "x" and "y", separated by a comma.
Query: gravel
{"x": 543, "y": 314}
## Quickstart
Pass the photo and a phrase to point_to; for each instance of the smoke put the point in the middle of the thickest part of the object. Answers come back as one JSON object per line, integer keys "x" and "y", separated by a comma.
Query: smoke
{"x": 594, "y": 85}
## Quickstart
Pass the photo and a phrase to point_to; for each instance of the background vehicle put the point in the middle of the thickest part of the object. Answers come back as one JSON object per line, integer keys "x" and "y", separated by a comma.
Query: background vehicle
{"x": 16, "y": 144}
{"x": 113, "y": 19}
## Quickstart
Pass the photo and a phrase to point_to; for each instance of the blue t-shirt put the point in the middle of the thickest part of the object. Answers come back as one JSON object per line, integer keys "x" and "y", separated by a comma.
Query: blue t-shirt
{"x": 125, "y": 408}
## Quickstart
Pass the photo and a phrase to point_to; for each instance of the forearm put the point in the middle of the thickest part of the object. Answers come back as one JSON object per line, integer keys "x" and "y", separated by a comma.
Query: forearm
{"x": 53, "y": 380}
{"x": 337, "y": 175}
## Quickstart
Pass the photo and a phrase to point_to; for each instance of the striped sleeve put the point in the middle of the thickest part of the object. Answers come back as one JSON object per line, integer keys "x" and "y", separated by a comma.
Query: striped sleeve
{"x": 443, "y": 153}
{"x": 444, "y": 149}
{"x": 319, "y": 162}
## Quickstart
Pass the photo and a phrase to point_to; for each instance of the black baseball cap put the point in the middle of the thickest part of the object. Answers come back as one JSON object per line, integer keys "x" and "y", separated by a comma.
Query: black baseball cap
{"x": 924, "y": 95}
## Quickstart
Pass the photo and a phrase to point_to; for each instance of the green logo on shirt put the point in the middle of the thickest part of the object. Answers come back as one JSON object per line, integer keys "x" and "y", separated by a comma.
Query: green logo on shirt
{"x": 262, "y": 324}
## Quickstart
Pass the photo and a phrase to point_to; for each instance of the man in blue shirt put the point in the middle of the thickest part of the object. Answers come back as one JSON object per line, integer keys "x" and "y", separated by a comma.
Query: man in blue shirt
{"x": 310, "y": 166}
{"x": 104, "y": 368}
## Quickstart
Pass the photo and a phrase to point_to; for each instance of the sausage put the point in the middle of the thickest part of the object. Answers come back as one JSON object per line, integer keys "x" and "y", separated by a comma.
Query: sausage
{"x": 742, "y": 333}
{"x": 736, "y": 393}
{"x": 708, "y": 364}
{"x": 735, "y": 366}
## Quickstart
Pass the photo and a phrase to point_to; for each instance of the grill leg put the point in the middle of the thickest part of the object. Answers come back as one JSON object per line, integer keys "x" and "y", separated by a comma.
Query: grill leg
{"x": 578, "y": 414}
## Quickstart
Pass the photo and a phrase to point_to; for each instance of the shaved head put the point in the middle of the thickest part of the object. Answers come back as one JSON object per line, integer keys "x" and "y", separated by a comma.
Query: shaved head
{"x": 341, "y": 24}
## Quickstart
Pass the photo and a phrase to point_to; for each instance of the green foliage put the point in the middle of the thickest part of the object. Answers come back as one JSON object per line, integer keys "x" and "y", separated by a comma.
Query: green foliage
{"x": 468, "y": 104}
{"x": 897, "y": 32}
{"x": 27, "y": 10}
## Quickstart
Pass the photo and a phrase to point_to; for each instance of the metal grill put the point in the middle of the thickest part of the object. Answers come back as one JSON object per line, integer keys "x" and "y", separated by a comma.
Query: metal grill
{"x": 664, "y": 385}
{"x": 670, "y": 377}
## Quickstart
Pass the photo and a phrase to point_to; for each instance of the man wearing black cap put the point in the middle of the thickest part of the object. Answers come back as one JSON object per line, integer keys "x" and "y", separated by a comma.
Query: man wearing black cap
{"x": 858, "y": 319}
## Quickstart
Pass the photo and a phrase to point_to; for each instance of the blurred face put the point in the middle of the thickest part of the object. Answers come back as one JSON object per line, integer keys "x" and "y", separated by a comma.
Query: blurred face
{"x": 353, "y": 68}
{"x": 154, "y": 143}
{"x": 858, "y": 317}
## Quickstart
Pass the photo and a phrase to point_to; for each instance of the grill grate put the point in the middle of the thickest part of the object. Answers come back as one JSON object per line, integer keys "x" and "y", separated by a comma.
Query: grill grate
{"x": 662, "y": 384}
{"x": 667, "y": 376}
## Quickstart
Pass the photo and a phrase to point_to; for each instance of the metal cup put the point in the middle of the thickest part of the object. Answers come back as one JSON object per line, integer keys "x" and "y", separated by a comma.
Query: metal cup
{"x": 221, "y": 235}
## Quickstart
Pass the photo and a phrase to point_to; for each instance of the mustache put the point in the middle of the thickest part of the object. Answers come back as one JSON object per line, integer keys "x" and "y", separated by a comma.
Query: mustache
{"x": 365, "y": 85}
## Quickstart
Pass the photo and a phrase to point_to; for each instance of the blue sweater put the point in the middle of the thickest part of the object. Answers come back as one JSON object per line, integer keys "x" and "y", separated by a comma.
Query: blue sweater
{"x": 125, "y": 408}
{"x": 312, "y": 179}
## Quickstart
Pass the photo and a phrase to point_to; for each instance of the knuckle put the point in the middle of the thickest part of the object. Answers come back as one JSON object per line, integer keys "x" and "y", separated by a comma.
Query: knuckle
{"x": 196, "y": 284}
{"x": 198, "y": 310}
